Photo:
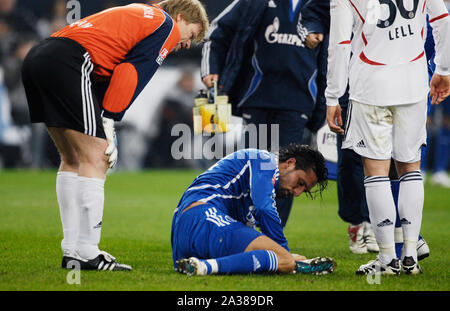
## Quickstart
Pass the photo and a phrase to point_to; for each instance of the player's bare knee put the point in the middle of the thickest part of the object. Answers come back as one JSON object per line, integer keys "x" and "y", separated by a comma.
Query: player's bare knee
{"x": 70, "y": 163}
{"x": 95, "y": 160}
{"x": 69, "y": 160}
{"x": 404, "y": 168}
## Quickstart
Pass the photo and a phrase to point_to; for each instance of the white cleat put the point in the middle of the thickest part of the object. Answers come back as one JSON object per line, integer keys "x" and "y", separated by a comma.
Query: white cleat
{"x": 356, "y": 242}
{"x": 423, "y": 251}
{"x": 378, "y": 267}
{"x": 369, "y": 238}
{"x": 191, "y": 266}
{"x": 441, "y": 179}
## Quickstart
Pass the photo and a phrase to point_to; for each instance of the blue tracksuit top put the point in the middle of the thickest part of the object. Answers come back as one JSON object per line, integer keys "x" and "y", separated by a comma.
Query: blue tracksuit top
{"x": 257, "y": 48}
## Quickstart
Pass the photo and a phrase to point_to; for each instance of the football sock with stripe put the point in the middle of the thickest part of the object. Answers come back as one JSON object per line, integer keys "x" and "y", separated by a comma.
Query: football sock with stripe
{"x": 66, "y": 194}
{"x": 395, "y": 185}
{"x": 91, "y": 198}
{"x": 258, "y": 261}
{"x": 410, "y": 206}
{"x": 382, "y": 214}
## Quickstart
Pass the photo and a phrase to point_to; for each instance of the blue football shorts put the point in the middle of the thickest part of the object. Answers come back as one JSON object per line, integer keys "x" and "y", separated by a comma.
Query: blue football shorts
{"x": 206, "y": 232}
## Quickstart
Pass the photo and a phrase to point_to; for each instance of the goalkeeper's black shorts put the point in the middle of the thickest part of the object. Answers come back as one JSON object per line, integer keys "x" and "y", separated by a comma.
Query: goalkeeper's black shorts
{"x": 58, "y": 78}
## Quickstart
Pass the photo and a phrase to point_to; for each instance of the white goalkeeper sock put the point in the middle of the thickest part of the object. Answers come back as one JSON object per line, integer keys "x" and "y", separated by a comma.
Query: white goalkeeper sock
{"x": 410, "y": 206}
{"x": 91, "y": 197}
{"x": 66, "y": 194}
{"x": 382, "y": 214}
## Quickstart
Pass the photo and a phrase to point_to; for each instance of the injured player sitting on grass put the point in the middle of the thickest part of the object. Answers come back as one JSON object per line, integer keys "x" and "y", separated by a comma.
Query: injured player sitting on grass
{"x": 213, "y": 228}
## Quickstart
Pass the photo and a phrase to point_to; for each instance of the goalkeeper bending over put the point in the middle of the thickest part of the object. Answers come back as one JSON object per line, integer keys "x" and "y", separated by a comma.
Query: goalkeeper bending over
{"x": 213, "y": 228}
{"x": 81, "y": 80}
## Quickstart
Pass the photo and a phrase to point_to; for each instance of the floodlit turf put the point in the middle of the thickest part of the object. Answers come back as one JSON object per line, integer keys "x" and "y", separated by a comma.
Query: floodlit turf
{"x": 136, "y": 229}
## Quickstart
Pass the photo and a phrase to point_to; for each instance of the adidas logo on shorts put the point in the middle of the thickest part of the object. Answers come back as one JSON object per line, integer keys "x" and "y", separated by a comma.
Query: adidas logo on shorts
{"x": 361, "y": 144}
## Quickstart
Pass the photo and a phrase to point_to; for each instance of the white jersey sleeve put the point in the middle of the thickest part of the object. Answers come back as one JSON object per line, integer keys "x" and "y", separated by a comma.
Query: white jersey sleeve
{"x": 388, "y": 66}
{"x": 339, "y": 50}
{"x": 440, "y": 22}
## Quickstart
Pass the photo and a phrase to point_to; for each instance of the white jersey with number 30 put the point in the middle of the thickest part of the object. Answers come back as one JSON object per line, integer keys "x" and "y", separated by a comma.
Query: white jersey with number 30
{"x": 386, "y": 39}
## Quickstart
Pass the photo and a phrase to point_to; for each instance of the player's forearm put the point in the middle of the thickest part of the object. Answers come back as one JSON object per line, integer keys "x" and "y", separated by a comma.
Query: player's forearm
{"x": 316, "y": 16}
{"x": 442, "y": 46}
{"x": 273, "y": 229}
{"x": 213, "y": 58}
{"x": 223, "y": 29}
{"x": 337, "y": 80}
{"x": 120, "y": 91}
{"x": 322, "y": 67}
{"x": 440, "y": 22}
{"x": 339, "y": 51}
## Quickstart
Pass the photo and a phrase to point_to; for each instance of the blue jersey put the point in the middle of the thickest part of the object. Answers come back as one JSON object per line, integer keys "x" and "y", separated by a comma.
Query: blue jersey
{"x": 242, "y": 186}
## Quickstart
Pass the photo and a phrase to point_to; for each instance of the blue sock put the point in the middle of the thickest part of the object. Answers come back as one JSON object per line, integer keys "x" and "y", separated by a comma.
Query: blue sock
{"x": 258, "y": 261}
{"x": 424, "y": 156}
{"x": 441, "y": 153}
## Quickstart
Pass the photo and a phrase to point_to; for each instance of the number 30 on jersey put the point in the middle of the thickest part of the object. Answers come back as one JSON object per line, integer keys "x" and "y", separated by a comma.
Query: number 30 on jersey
{"x": 374, "y": 8}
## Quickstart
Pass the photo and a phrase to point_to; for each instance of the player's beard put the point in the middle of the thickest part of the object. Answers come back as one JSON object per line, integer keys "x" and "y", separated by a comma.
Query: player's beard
{"x": 282, "y": 192}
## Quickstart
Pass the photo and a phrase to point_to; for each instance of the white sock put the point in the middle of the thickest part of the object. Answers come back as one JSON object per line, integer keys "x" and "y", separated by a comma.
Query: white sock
{"x": 66, "y": 194}
{"x": 410, "y": 206}
{"x": 382, "y": 214}
{"x": 91, "y": 197}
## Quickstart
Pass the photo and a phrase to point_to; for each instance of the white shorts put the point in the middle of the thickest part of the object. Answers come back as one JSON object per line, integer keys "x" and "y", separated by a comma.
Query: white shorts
{"x": 382, "y": 133}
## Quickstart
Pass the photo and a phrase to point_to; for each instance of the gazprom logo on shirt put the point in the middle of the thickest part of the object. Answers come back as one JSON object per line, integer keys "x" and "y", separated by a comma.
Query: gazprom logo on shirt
{"x": 162, "y": 56}
{"x": 272, "y": 36}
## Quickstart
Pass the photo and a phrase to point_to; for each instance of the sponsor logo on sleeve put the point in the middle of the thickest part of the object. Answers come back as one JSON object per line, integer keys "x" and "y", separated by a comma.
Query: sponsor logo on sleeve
{"x": 162, "y": 56}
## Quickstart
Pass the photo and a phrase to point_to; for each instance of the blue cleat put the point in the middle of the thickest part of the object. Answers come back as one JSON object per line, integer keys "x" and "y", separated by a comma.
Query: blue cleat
{"x": 316, "y": 266}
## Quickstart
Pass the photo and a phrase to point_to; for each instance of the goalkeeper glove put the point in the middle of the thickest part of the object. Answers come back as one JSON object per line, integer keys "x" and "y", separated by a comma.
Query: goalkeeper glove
{"x": 111, "y": 150}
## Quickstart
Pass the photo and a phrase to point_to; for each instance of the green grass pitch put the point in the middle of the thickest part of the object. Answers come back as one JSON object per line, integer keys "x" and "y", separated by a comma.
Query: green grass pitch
{"x": 136, "y": 229}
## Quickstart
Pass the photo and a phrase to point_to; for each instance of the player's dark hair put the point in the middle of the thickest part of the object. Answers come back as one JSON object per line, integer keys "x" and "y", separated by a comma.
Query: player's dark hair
{"x": 307, "y": 158}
